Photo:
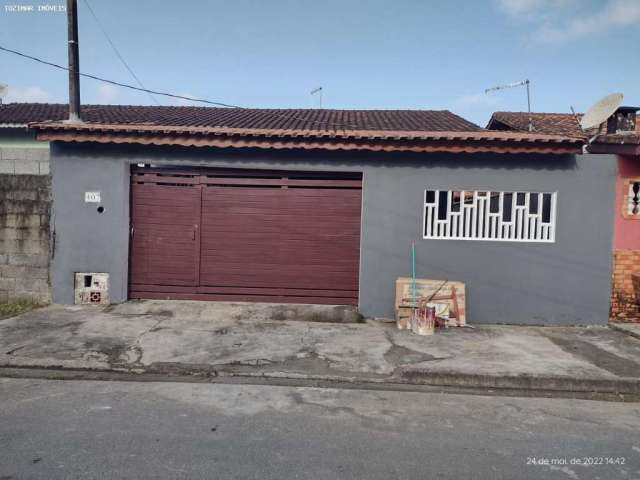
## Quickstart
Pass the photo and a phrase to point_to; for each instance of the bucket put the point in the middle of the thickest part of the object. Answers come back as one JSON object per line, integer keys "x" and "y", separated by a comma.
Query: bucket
{"x": 423, "y": 320}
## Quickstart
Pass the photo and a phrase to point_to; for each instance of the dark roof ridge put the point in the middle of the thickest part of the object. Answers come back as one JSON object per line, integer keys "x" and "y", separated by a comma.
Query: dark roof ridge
{"x": 516, "y": 112}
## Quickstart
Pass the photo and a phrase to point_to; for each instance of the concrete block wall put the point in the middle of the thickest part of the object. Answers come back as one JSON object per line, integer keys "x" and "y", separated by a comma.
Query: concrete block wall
{"x": 24, "y": 161}
{"x": 25, "y": 207}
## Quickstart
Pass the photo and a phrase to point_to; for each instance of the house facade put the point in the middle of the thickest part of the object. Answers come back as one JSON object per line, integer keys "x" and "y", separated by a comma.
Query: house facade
{"x": 321, "y": 206}
{"x": 625, "y": 145}
{"x": 625, "y": 297}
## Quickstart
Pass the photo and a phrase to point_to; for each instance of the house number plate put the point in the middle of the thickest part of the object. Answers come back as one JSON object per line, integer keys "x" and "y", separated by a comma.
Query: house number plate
{"x": 92, "y": 197}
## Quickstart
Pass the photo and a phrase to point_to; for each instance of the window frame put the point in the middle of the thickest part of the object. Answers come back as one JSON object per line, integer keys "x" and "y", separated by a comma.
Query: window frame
{"x": 500, "y": 223}
{"x": 625, "y": 199}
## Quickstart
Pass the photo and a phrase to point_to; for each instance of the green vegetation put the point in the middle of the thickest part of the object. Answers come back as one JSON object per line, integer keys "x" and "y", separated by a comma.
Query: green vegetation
{"x": 16, "y": 307}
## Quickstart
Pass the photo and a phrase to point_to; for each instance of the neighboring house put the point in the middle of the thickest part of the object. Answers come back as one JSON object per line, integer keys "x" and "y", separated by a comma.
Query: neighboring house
{"x": 25, "y": 201}
{"x": 559, "y": 123}
{"x": 321, "y": 206}
{"x": 20, "y": 152}
{"x": 625, "y": 296}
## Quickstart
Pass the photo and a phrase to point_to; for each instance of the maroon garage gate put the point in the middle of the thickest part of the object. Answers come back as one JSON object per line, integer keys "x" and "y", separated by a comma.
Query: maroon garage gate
{"x": 245, "y": 235}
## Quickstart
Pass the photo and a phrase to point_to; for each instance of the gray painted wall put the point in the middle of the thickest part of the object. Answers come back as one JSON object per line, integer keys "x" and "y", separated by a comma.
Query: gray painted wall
{"x": 567, "y": 282}
{"x": 85, "y": 240}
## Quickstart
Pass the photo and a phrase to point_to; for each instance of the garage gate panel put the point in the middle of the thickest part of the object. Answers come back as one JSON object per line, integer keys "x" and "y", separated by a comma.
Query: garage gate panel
{"x": 245, "y": 236}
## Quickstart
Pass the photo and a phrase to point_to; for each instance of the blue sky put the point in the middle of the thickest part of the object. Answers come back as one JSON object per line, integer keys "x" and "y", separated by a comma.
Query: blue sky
{"x": 406, "y": 54}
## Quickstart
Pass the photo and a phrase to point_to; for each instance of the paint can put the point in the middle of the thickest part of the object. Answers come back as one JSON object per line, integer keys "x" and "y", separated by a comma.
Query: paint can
{"x": 423, "y": 320}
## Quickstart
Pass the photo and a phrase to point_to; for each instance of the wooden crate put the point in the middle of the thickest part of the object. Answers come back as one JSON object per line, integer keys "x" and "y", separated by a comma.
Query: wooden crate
{"x": 403, "y": 318}
{"x": 426, "y": 288}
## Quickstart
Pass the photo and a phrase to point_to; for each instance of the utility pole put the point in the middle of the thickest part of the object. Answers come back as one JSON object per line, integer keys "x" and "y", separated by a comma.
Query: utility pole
{"x": 74, "y": 62}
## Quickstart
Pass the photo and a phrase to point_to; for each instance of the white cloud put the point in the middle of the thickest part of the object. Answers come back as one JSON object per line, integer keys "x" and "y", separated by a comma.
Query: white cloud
{"x": 519, "y": 8}
{"x": 107, "y": 93}
{"x": 27, "y": 94}
{"x": 616, "y": 13}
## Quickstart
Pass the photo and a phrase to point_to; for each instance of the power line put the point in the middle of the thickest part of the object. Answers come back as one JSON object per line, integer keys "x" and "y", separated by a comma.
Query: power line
{"x": 117, "y": 52}
{"x": 173, "y": 95}
{"x": 113, "y": 82}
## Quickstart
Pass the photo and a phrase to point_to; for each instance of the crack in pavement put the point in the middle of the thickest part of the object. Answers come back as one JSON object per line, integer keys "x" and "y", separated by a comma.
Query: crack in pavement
{"x": 306, "y": 361}
{"x": 398, "y": 355}
{"x": 13, "y": 350}
{"x": 118, "y": 354}
{"x": 137, "y": 348}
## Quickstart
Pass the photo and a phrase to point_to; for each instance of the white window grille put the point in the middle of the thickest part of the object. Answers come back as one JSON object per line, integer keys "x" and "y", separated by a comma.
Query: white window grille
{"x": 633, "y": 199}
{"x": 489, "y": 215}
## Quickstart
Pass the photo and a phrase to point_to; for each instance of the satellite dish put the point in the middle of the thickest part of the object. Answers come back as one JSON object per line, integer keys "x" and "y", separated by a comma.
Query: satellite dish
{"x": 601, "y": 111}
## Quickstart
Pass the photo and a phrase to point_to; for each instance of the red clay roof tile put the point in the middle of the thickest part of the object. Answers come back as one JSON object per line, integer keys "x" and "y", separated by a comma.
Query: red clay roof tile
{"x": 561, "y": 124}
{"x": 373, "y": 130}
{"x": 549, "y": 123}
{"x": 371, "y": 140}
{"x": 272, "y": 119}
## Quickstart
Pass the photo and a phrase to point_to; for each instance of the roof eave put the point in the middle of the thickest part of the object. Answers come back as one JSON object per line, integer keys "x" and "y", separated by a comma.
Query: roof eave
{"x": 632, "y": 149}
{"x": 464, "y": 143}
{"x": 495, "y": 124}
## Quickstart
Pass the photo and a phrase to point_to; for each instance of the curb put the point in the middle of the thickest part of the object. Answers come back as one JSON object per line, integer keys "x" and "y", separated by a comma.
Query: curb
{"x": 628, "y": 386}
{"x": 618, "y": 328}
{"x": 282, "y": 379}
{"x": 438, "y": 379}
{"x": 524, "y": 382}
{"x": 404, "y": 379}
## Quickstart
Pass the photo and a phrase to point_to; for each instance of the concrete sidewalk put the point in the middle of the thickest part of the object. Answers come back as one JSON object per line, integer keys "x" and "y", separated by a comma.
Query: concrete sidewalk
{"x": 199, "y": 338}
{"x": 632, "y": 329}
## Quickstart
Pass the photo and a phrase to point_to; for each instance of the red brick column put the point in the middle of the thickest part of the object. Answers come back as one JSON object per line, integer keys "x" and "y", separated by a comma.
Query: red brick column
{"x": 625, "y": 297}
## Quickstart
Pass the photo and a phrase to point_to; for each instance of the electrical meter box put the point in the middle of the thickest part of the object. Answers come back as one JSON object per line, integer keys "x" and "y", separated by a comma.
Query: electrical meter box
{"x": 92, "y": 289}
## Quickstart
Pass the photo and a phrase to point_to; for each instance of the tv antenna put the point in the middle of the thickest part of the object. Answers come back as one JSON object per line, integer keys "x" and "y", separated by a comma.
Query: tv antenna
{"x": 4, "y": 89}
{"x": 517, "y": 84}
{"x": 601, "y": 111}
{"x": 317, "y": 91}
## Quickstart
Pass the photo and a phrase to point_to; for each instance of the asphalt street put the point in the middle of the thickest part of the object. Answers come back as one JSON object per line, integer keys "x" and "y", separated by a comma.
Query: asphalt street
{"x": 124, "y": 430}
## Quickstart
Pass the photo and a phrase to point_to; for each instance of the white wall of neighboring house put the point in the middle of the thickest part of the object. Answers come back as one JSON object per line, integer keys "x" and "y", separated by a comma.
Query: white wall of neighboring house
{"x": 21, "y": 153}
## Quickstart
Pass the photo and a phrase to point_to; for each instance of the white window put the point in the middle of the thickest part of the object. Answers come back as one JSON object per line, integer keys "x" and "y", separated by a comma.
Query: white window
{"x": 490, "y": 215}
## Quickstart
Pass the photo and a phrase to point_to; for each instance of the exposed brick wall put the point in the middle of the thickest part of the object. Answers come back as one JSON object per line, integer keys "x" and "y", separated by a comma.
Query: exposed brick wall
{"x": 25, "y": 205}
{"x": 624, "y": 299}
